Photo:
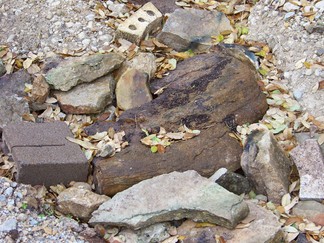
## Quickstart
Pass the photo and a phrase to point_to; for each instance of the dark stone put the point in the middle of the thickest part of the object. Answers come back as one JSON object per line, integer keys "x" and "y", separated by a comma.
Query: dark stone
{"x": 200, "y": 93}
{"x": 43, "y": 154}
{"x": 15, "y": 83}
{"x": 165, "y": 6}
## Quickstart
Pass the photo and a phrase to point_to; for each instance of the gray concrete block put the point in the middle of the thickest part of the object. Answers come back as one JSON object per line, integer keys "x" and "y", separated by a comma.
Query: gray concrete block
{"x": 144, "y": 21}
{"x": 43, "y": 155}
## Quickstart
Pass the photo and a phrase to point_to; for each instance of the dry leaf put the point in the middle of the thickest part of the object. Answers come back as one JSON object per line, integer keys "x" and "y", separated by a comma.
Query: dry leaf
{"x": 84, "y": 144}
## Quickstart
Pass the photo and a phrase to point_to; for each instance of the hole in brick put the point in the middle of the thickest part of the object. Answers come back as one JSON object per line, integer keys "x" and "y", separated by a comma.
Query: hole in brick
{"x": 141, "y": 20}
{"x": 149, "y": 12}
{"x": 132, "y": 27}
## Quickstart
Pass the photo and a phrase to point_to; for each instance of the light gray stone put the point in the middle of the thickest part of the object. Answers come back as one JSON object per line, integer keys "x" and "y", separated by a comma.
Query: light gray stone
{"x": 8, "y": 225}
{"x": 79, "y": 202}
{"x": 77, "y": 70}
{"x": 132, "y": 89}
{"x": 40, "y": 90}
{"x": 310, "y": 164}
{"x": 172, "y": 196}
{"x": 192, "y": 28}
{"x": 87, "y": 98}
{"x": 312, "y": 210}
{"x": 144, "y": 62}
{"x": 266, "y": 165}
{"x": 143, "y": 22}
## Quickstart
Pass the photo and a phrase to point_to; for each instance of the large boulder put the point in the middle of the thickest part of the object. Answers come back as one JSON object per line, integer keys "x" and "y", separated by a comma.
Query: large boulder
{"x": 77, "y": 70}
{"x": 210, "y": 92}
{"x": 169, "y": 197}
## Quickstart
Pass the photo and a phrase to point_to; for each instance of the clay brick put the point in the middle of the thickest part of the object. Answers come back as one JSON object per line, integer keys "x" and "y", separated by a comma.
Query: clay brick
{"x": 43, "y": 155}
{"x": 144, "y": 21}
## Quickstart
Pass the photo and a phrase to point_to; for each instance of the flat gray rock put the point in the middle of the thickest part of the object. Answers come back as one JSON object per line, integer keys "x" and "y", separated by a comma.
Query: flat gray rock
{"x": 172, "y": 196}
{"x": 77, "y": 70}
{"x": 310, "y": 164}
{"x": 266, "y": 165}
{"x": 192, "y": 28}
{"x": 88, "y": 98}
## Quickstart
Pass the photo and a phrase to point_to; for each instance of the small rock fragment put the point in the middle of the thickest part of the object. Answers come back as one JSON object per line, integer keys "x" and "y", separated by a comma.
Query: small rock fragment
{"x": 312, "y": 210}
{"x": 87, "y": 98}
{"x": 310, "y": 164}
{"x": 193, "y": 28}
{"x": 77, "y": 70}
{"x": 288, "y": 7}
{"x": 144, "y": 62}
{"x": 79, "y": 202}
{"x": 8, "y": 225}
{"x": 40, "y": 90}
{"x": 172, "y": 196}
{"x": 132, "y": 89}
{"x": 266, "y": 165}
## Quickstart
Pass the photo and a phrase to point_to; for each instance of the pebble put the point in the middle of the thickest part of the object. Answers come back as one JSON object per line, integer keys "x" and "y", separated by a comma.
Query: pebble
{"x": 8, "y": 225}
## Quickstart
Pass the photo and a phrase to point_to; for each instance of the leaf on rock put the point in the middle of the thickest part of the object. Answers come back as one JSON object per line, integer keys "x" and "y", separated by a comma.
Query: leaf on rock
{"x": 84, "y": 144}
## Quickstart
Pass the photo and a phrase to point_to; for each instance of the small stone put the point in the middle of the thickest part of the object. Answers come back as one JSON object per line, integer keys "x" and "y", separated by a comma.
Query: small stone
{"x": 261, "y": 197}
{"x": 289, "y": 15}
{"x": 8, "y": 225}
{"x": 320, "y": 5}
{"x": 312, "y": 210}
{"x": 13, "y": 184}
{"x": 298, "y": 94}
{"x": 8, "y": 192}
{"x": 288, "y": 7}
{"x": 82, "y": 185}
{"x": 22, "y": 217}
{"x": 266, "y": 165}
{"x": 40, "y": 90}
{"x": 2, "y": 68}
{"x": 310, "y": 164}
{"x": 144, "y": 62}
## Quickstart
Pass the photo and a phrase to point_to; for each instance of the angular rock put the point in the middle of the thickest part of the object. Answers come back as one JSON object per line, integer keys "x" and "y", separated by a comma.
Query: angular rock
{"x": 12, "y": 107}
{"x": 40, "y": 90}
{"x": 8, "y": 225}
{"x": 205, "y": 92}
{"x": 303, "y": 136}
{"x": 310, "y": 164}
{"x": 144, "y": 62}
{"x": 2, "y": 68}
{"x": 143, "y": 22}
{"x": 43, "y": 155}
{"x": 79, "y": 202}
{"x": 132, "y": 89}
{"x": 88, "y": 98}
{"x": 192, "y": 28}
{"x": 77, "y": 70}
{"x": 15, "y": 83}
{"x": 232, "y": 182}
{"x": 266, "y": 165}
{"x": 264, "y": 227}
{"x": 165, "y": 6}
{"x": 172, "y": 196}
{"x": 312, "y": 210}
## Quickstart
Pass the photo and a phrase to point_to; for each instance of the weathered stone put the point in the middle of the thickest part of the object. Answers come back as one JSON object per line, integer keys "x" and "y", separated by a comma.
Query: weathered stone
{"x": 231, "y": 181}
{"x": 77, "y": 70}
{"x": 40, "y": 90}
{"x": 264, "y": 227}
{"x": 43, "y": 155}
{"x": 303, "y": 136}
{"x": 165, "y": 6}
{"x": 2, "y": 68}
{"x": 193, "y": 28}
{"x": 88, "y": 98}
{"x": 172, "y": 196}
{"x": 310, "y": 164}
{"x": 144, "y": 62}
{"x": 15, "y": 83}
{"x": 12, "y": 107}
{"x": 143, "y": 22}
{"x": 132, "y": 89}
{"x": 79, "y": 202}
{"x": 205, "y": 92}
{"x": 312, "y": 210}
{"x": 266, "y": 165}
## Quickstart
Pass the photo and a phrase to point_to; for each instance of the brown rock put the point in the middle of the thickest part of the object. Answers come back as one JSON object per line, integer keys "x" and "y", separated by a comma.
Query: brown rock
{"x": 132, "y": 89}
{"x": 87, "y": 98}
{"x": 204, "y": 93}
{"x": 40, "y": 89}
{"x": 266, "y": 165}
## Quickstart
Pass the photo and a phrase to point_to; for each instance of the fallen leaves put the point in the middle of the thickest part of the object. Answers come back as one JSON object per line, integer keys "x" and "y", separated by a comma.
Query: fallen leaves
{"x": 158, "y": 142}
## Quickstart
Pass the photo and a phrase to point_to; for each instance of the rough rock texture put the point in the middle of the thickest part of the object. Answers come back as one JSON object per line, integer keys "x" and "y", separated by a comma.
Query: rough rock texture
{"x": 264, "y": 227}
{"x": 310, "y": 164}
{"x": 144, "y": 62}
{"x": 40, "y": 90}
{"x": 165, "y": 6}
{"x": 42, "y": 154}
{"x": 266, "y": 165}
{"x": 79, "y": 202}
{"x": 2, "y": 68}
{"x": 303, "y": 136}
{"x": 205, "y": 92}
{"x": 232, "y": 182}
{"x": 132, "y": 89}
{"x": 172, "y": 196}
{"x": 312, "y": 210}
{"x": 192, "y": 28}
{"x": 77, "y": 70}
{"x": 88, "y": 98}
{"x": 15, "y": 83}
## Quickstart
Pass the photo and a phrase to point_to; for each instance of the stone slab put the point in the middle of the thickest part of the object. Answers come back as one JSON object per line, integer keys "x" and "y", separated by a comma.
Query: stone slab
{"x": 310, "y": 164}
{"x": 169, "y": 197}
{"x": 43, "y": 154}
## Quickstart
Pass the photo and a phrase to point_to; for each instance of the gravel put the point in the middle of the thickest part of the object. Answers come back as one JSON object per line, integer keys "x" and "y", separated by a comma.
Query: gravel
{"x": 21, "y": 224}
